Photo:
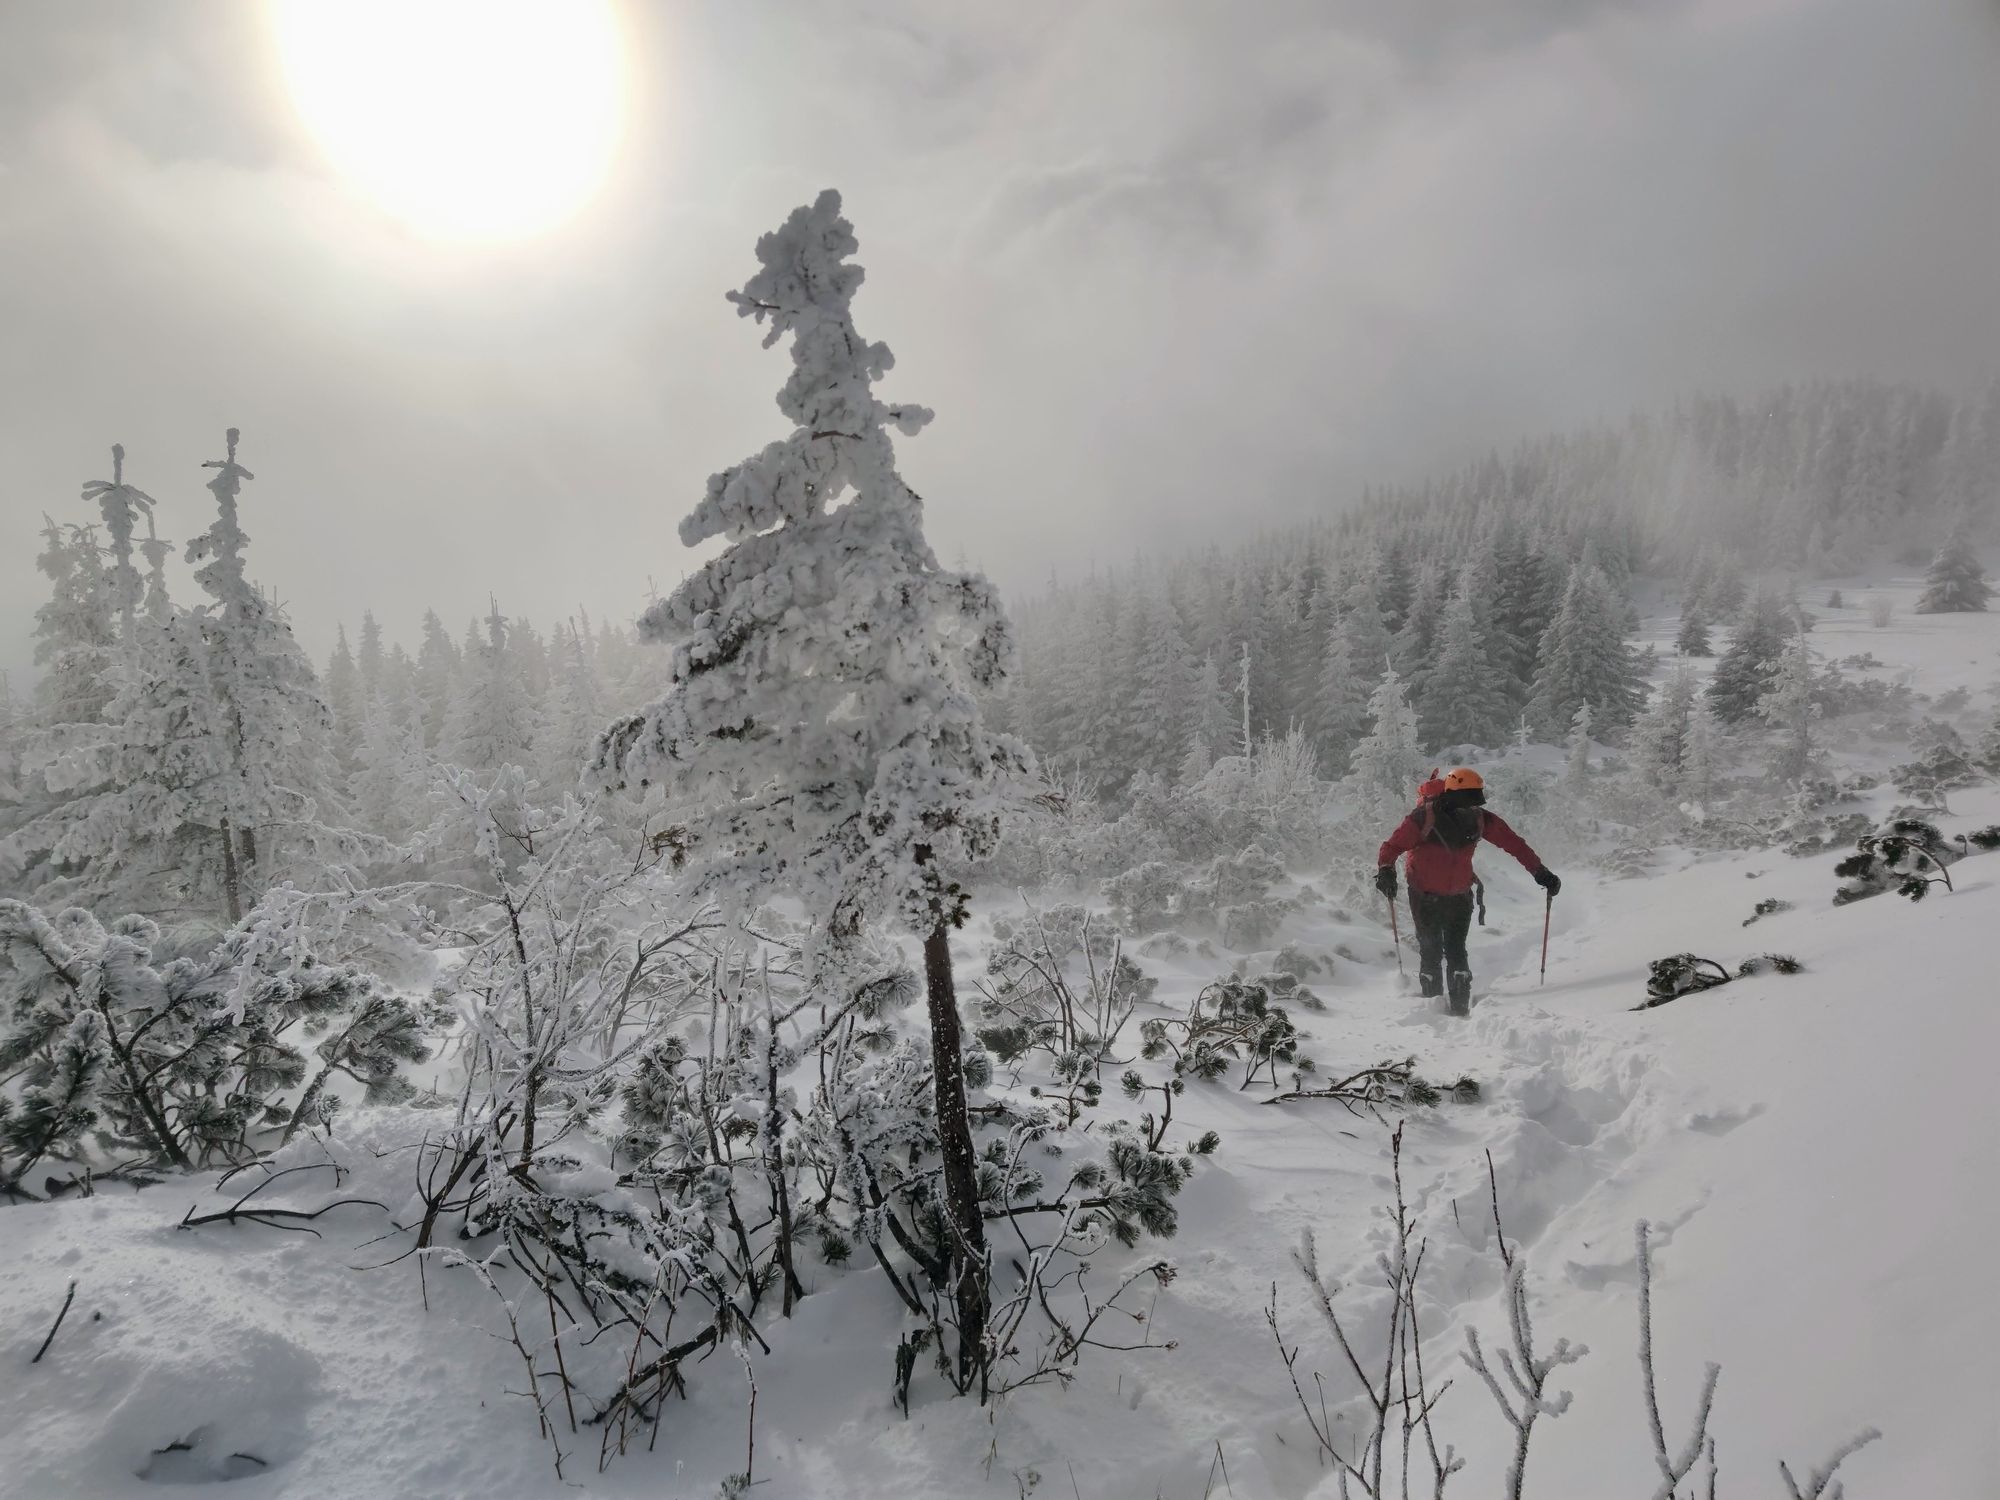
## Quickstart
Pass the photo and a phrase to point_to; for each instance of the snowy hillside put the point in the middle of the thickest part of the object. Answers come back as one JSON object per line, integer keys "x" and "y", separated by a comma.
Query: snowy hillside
{"x": 1814, "y": 1152}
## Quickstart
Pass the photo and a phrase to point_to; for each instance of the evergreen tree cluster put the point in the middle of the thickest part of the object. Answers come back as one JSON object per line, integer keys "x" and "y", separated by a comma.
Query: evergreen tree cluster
{"x": 1168, "y": 669}
{"x": 180, "y": 759}
{"x": 1502, "y": 592}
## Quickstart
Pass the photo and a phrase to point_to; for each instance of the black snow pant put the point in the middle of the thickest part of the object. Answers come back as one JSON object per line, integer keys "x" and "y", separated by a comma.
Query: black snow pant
{"x": 1442, "y": 923}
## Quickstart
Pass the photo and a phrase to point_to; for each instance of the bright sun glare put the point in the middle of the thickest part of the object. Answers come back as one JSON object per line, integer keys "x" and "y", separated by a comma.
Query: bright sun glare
{"x": 464, "y": 119}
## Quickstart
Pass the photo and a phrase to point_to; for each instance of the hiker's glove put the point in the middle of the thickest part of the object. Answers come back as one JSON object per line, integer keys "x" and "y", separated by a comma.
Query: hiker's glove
{"x": 1546, "y": 879}
{"x": 1385, "y": 881}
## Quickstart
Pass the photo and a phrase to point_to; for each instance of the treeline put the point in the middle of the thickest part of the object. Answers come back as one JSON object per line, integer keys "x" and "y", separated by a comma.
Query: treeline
{"x": 180, "y": 759}
{"x": 1504, "y": 594}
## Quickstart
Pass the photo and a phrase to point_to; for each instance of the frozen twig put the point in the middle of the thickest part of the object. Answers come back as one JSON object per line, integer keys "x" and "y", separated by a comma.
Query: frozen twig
{"x": 1820, "y": 1484}
{"x": 63, "y": 1312}
{"x": 1673, "y": 1468}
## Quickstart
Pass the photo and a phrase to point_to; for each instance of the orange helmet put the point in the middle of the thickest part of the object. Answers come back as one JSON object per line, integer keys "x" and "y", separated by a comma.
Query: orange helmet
{"x": 1431, "y": 786}
{"x": 1464, "y": 779}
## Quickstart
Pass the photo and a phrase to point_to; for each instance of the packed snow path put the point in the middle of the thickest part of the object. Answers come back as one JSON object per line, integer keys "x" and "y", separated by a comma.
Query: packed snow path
{"x": 1816, "y": 1152}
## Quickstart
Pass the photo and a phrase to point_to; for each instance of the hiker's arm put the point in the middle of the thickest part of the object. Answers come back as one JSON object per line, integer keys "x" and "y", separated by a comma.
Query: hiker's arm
{"x": 1503, "y": 837}
{"x": 1402, "y": 841}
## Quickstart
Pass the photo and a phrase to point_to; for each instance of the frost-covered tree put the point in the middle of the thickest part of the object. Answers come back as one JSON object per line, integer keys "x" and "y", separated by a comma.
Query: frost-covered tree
{"x": 344, "y": 701}
{"x": 1956, "y": 583}
{"x": 1216, "y": 727}
{"x": 1341, "y": 704}
{"x": 1389, "y": 762}
{"x": 1363, "y": 627}
{"x": 1165, "y": 703}
{"x": 570, "y": 715}
{"x": 370, "y": 658}
{"x": 1659, "y": 739}
{"x": 121, "y": 506}
{"x": 489, "y": 723}
{"x": 1745, "y": 667}
{"x": 76, "y": 830}
{"x": 76, "y": 630}
{"x": 1789, "y": 706}
{"x": 270, "y": 718}
{"x": 1515, "y": 616}
{"x": 1701, "y": 763}
{"x": 437, "y": 669}
{"x": 1585, "y": 658}
{"x": 1693, "y": 638}
{"x": 391, "y": 789}
{"x": 1463, "y": 702}
{"x": 821, "y": 726}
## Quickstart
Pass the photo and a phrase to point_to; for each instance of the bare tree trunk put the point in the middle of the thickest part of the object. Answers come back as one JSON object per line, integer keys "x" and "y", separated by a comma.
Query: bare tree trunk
{"x": 232, "y": 885}
{"x": 961, "y": 1171}
{"x": 774, "y": 1163}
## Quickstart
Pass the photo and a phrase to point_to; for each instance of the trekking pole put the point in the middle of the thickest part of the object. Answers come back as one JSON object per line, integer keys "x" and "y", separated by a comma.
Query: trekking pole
{"x": 1397, "y": 935}
{"x": 1548, "y": 910}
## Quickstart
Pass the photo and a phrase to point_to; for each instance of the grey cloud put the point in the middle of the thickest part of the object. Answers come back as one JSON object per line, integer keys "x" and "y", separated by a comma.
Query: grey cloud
{"x": 1164, "y": 269}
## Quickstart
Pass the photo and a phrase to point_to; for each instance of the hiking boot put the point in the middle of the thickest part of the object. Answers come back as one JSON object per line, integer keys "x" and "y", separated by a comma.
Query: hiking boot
{"x": 1429, "y": 985}
{"x": 1461, "y": 993}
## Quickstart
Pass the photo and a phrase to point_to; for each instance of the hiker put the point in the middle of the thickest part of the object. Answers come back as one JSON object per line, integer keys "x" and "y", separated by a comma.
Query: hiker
{"x": 1439, "y": 837}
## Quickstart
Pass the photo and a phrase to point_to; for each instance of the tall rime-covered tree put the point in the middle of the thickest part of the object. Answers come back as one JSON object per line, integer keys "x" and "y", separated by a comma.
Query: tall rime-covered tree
{"x": 821, "y": 722}
{"x": 271, "y": 719}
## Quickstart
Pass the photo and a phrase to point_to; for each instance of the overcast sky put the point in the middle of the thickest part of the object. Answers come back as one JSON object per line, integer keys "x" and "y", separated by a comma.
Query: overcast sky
{"x": 1166, "y": 269}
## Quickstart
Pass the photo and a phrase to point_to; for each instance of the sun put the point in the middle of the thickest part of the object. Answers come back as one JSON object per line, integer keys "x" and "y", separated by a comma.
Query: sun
{"x": 463, "y": 119}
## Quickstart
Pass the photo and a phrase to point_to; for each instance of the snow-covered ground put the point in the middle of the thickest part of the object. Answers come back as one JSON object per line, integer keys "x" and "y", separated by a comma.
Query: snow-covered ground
{"x": 1816, "y": 1152}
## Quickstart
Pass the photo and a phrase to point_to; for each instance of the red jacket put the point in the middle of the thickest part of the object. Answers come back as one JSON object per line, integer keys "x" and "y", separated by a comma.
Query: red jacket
{"x": 1436, "y": 867}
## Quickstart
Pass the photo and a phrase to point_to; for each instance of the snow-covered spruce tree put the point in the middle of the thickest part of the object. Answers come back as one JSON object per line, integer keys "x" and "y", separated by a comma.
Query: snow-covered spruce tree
{"x": 76, "y": 631}
{"x": 1584, "y": 658}
{"x": 1341, "y": 704}
{"x": 1165, "y": 702}
{"x": 1659, "y": 739}
{"x": 344, "y": 701}
{"x": 272, "y": 721}
{"x": 1745, "y": 667}
{"x": 488, "y": 723}
{"x": 437, "y": 669}
{"x": 1693, "y": 638}
{"x": 821, "y": 722}
{"x": 1701, "y": 763}
{"x": 1956, "y": 583}
{"x": 1514, "y": 615}
{"x": 1788, "y": 705}
{"x": 570, "y": 715}
{"x": 100, "y": 799}
{"x": 1388, "y": 764}
{"x": 1463, "y": 702}
{"x": 391, "y": 788}
{"x": 1362, "y": 626}
{"x": 1215, "y": 723}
